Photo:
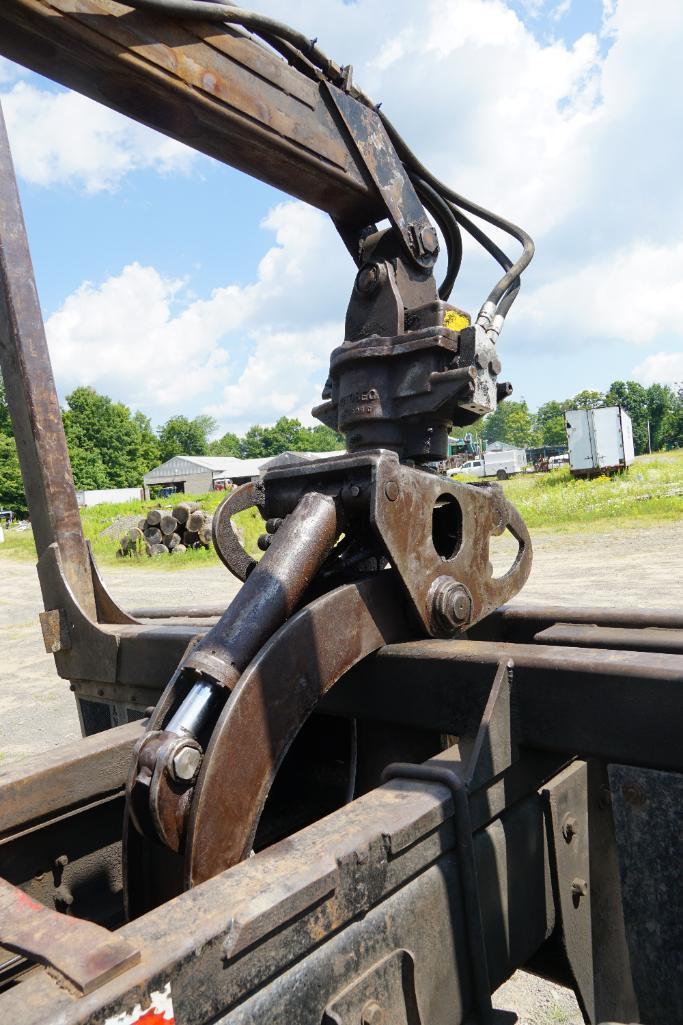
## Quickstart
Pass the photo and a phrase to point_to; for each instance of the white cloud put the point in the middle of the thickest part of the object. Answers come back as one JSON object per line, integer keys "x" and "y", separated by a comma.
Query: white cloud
{"x": 661, "y": 368}
{"x": 146, "y": 339}
{"x": 9, "y": 71}
{"x": 62, "y": 138}
{"x": 578, "y": 142}
{"x": 633, "y": 295}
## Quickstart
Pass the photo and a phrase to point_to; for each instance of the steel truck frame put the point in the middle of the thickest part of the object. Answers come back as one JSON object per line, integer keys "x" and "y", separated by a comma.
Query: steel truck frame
{"x": 440, "y": 787}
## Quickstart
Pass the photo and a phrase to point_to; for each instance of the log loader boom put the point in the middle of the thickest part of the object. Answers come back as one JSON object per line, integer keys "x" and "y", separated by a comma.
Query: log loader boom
{"x": 393, "y": 787}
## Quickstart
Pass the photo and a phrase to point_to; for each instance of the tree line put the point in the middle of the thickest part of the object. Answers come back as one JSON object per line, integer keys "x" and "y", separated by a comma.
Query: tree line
{"x": 659, "y": 406}
{"x": 112, "y": 447}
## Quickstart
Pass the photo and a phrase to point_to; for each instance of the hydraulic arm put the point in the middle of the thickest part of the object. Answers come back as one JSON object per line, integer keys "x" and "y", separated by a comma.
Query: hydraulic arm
{"x": 259, "y": 95}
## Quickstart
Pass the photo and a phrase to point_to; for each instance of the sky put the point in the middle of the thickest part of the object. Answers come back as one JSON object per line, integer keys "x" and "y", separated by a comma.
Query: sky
{"x": 178, "y": 285}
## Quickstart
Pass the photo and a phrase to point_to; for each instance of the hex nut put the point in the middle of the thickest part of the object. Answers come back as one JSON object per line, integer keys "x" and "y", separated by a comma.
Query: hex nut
{"x": 450, "y": 605}
{"x": 429, "y": 239}
{"x": 186, "y": 762}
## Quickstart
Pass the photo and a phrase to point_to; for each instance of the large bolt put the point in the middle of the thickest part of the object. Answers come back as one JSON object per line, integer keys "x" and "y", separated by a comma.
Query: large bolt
{"x": 429, "y": 239}
{"x": 391, "y": 490}
{"x": 368, "y": 278}
{"x": 372, "y": 1014}
{"x": 579, "y": 888}
{"x": 186, "y": 762}
{"x": 451, "y": 605}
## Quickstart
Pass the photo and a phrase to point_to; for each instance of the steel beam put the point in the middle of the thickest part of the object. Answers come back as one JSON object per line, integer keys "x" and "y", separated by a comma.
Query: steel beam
{"x": 621, "y": 706}
{"x": 216, "y": 90}
{"x": 32, "y": 398}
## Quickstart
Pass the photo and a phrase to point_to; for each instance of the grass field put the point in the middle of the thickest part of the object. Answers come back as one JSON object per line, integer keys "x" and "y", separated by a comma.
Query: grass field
{"x": 651, "y": 491}
{"x": 104, "y": 524}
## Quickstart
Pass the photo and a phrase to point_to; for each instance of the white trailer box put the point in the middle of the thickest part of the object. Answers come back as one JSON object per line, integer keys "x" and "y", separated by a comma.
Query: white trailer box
{"x": 495, "y": 462}
{"x": 600, "y": 440}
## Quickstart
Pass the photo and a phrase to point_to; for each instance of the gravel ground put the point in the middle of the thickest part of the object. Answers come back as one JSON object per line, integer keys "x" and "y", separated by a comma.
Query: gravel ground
{"x": 640, "y": 568}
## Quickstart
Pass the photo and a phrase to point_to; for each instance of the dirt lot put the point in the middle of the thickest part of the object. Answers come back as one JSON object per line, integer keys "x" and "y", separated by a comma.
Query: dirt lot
{"x": 640, "y": 568}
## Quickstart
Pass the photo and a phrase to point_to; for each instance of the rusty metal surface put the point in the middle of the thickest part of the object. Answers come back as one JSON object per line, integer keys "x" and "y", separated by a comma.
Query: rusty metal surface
{"x": 159, "y": 803}
{"x": 317, "y": 908}
{"x": 225, "y": 540}
{"x": 589, "y": 635}
{"x": 521, "y": 623}
{"x": 588, "y": 893}
{"x": 108, "y": 610}
{"x": 59, "y": 781}
{"x": 646, "y": 805}
{"x": 84, "y": 954}
{"x": 31, "y": 396}
{"x": 272, "y": 591}
{"x": 211, "y": 88}
{"x": 434, "y": 531}
{"x": 369, "y": 137}
{"x": 272, "y": 700}
{"x": 55, "y": 628}
{"x": 620, "y": 706}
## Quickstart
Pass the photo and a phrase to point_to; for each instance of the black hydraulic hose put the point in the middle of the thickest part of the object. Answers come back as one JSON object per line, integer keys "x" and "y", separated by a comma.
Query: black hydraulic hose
{"x": 307, "y": 57}
{"x": 503, "y": 307}
{"x": 412, "y": 162}
{"x": 443, "y": 216}
{"x": 217, "y": 11}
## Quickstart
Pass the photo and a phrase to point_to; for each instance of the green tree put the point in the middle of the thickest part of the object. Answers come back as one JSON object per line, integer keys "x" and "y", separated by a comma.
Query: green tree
{"x": 673, "y": 428}
{"x": 105, "y": 429}
{"x": 89, "y": 471}
{"x": 633, "y": 397}
{"x": 661, "y": 402}
{"x": 180, "y": 436}
{"x": 586, "y": 399}
{"x": 12, "y": 495}
{"x": 149, "y": 447}
{"x": 321, "y": 439}
{"x": 227, "y": 445}
{"x": 549, "y": 423}
{"x": 511, "y": 422}
{"x": 5, "y": 420}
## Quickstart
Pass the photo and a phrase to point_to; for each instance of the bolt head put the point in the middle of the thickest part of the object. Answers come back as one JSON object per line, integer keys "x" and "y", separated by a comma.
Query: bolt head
{"x": 430, "y": 239}
{"x": 391, "y": 490}
{"x": 367, "y": 278}
{"x": 579, "y": 887}
{"x": 372, "y": 1014}
{"x": 186, "y": 762}
{"x": 451, "y": 605}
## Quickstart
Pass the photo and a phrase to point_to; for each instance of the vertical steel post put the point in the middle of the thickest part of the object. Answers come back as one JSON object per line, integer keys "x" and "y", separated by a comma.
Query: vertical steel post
{"x": 32, "y": 398}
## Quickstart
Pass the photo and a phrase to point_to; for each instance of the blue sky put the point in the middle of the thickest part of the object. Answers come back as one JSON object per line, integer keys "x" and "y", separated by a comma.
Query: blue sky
{"x": 178, "y": 285}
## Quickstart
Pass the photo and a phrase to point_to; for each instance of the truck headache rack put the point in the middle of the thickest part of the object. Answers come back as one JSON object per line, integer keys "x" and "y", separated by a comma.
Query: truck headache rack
{"x": 372, "y": 787}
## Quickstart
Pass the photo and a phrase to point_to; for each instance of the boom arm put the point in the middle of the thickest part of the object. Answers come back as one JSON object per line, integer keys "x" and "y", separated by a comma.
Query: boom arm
{"x": 213, "y": 88}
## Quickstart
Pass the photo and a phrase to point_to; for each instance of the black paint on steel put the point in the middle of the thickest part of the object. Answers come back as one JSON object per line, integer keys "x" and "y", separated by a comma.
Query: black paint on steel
{"x": 368, "y": 137}
{"x": 468, "y": 869}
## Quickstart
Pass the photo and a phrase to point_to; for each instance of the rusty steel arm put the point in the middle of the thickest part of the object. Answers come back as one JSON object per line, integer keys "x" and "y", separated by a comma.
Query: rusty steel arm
{"x": 32, "y": 398}
{"x": 211, "y": 87}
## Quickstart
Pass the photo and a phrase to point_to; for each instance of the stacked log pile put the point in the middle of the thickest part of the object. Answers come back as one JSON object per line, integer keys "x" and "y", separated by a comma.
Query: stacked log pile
{"x": 168, "y": 532}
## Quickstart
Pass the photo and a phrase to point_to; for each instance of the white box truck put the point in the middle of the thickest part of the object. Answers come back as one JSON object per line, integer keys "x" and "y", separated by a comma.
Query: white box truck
{"x": 500, "y": 463}
{"x": 600, "y": 440}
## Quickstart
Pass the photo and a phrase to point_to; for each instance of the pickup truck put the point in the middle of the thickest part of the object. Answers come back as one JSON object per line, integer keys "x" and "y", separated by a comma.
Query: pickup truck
{"x": 494, "y": 464}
